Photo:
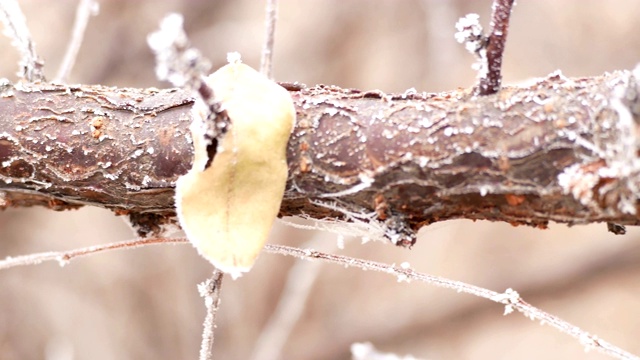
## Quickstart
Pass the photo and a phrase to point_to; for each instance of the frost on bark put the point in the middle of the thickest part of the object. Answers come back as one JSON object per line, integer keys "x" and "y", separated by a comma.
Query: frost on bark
{"x": 559, "y": 149}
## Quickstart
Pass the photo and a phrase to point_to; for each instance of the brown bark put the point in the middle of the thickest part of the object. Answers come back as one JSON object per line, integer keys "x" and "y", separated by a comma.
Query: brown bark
{"x": 555, "y": 150}
{"x": 490, "y": 84}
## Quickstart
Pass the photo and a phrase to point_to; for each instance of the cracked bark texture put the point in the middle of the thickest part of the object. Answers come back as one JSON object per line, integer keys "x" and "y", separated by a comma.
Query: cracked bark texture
{"x": 555, "y": 150}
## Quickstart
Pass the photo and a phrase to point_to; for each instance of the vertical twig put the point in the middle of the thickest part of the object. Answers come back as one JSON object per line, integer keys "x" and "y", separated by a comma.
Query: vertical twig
{"x": 85, "y": 9}
{"x": 210, "y": 291}
{"x": 266, "y": 61}
{"x": 300, "y": 280}
{"x": 490, "y": 84}
{"x": 176, "y": 61}
{"x": 15, "y": 27}
{"x": 184, "y": 66}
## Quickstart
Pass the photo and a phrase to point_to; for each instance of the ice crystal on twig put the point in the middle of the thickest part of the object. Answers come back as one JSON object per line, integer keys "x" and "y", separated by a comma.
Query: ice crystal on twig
{"x": 15, "y": 27}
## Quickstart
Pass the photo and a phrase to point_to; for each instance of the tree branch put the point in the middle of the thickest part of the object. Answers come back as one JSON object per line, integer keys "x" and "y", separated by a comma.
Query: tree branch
{"x": 490, "y": 84}
{"x": 557, "y": 150}
{"x": 210, "y": 291}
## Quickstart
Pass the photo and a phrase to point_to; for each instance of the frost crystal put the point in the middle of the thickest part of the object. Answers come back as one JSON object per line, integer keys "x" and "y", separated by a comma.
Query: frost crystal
{"x": 15, "y": 27}
{"x": 234, "y": 57}
{"x": 162, "y": 42}
{"x": 63, "y": 261}
{"x": 588, "y": 341}
{"x": 366, "y": 351}
{"x": 205, "y": 288}
{"x": 510, "y": 298}
{"x": 469, "y": 32}
{"x": 176, "y": 61}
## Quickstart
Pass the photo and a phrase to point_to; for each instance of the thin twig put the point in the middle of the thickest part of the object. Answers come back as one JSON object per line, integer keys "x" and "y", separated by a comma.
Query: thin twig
{"x": 176, "y": 60}
{"x": 300, "y": 280}
{"x": 185, "y": 66}
{"x": 64, "y": 257}
{"x": 487, "y": 49}
{"x": 15, "y": 27}
{"x": 85, "y": 9}
{"x": 266, "y": 61}
{"x": 210, "y": 291}
{"x": 490, "y": 84}
{"x": 511, "y": 299}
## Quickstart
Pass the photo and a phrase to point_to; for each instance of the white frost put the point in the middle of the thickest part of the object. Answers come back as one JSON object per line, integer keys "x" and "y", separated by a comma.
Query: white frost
{"x": 366, "y": 351}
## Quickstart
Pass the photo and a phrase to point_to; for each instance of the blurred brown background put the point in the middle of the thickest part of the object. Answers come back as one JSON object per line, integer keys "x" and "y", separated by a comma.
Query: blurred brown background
{"x": 143, "y": 304}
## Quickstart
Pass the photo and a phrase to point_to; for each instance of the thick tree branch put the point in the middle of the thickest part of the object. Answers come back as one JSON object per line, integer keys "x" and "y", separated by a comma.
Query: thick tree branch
{"x": 557, "y": 150}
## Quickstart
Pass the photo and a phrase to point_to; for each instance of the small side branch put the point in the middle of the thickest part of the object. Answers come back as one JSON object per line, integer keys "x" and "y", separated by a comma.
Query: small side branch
{"x": 176, "y": 61}
{"x": 210, "y": 291}
{"x": 488, "y": 49}
{"x": 299, "y": 284}
{"x": 495, "y": 47}
{"x": 15, "y": 27}
{"x": 266, "y": 61}
{"x": 64, "y": 257}
{"x": 86, "y": 9}
{"x": 184, "y": 66}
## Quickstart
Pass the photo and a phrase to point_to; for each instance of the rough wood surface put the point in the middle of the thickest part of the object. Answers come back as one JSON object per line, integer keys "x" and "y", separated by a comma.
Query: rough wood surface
{"x": 557, "y": 149}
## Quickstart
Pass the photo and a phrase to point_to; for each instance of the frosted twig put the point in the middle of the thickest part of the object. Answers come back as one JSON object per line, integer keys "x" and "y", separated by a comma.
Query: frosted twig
{"x": 176, "y": 61}
{"x": 210, "y": 291}
{"x": 471, "y": 34}
{"x": 488, "y": 49}
{"x": 509, "y": 298}
{"x": 266, "y": 60}
{"x": 495, "y": 48}
{"x": 64, "y": 257}
{"x": 15, "y": 27}
{"x": 300, "y": 280}
{"x": 85, "y": 9}
{"x": 184, "y": 66}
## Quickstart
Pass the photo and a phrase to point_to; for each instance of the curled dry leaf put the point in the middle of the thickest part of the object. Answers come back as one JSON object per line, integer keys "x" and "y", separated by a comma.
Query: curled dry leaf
{"x": 228, "y": 201}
